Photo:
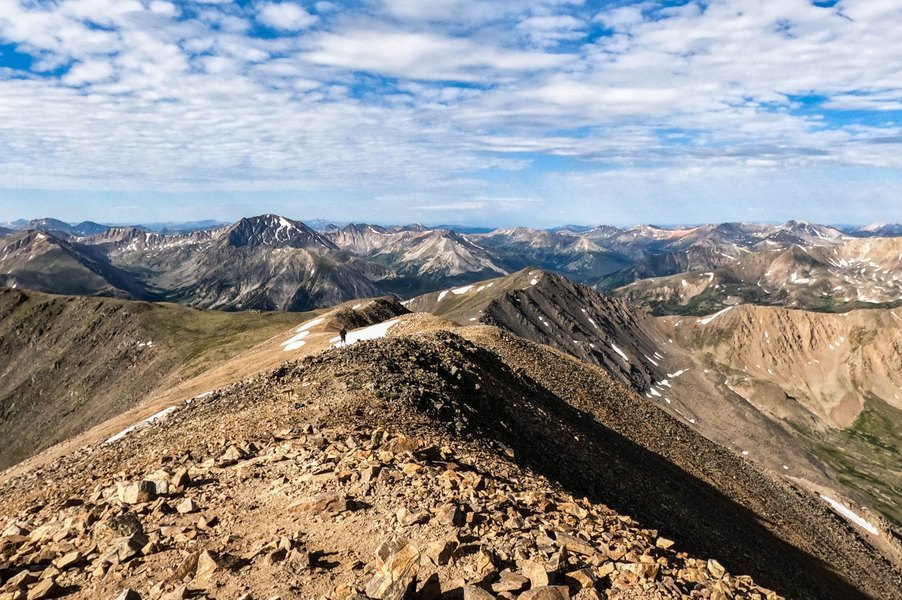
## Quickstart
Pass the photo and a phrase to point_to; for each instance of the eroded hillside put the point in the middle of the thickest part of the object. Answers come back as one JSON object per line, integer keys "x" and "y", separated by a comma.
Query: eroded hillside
{"x": 836, "y": 379}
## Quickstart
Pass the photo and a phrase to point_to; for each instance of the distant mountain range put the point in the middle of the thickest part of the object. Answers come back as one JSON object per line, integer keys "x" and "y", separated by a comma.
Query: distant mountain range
{"x": 270, "y": 262}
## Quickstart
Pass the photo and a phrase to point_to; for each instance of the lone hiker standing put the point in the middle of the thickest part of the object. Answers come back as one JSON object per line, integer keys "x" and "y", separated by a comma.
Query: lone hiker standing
{"x": 343, "y": 334}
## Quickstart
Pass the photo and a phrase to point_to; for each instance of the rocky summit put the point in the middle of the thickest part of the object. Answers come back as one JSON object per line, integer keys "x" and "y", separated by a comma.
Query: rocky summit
{"x": 441, "y": 464}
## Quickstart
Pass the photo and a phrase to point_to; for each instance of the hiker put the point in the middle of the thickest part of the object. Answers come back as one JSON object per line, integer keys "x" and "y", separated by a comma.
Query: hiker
{"x": 343, "y": 334}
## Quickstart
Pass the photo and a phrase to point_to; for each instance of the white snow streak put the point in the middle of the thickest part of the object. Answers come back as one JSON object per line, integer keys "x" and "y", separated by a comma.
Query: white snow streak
{"x": 850, "y": 515}
{"x": 619, "y": 351}
{"x": 140, "y": 425}
{"x": 295, "y": 342}
{"x": 707, "y": 320}
{"x": 309, "y": 324}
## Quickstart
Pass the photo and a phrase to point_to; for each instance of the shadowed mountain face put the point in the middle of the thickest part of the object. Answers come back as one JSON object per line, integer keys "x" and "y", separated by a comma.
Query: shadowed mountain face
{"x": 550, "y": 309}
{"x": 771, "y": 384}
{"x": 276, "y": 232}
{"x": 46, "y": 262}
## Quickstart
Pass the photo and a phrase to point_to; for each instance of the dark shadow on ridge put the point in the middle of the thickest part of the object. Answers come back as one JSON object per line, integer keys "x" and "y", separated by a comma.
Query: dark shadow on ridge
{"x": 603, "y": 465}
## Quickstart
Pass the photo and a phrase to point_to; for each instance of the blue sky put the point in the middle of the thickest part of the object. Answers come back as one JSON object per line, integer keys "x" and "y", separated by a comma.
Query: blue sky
{"x": 494, "y": 112}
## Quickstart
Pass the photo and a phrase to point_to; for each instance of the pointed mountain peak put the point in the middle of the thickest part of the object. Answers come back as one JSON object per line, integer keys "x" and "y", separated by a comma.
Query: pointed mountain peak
{"x": 276, "y": 231}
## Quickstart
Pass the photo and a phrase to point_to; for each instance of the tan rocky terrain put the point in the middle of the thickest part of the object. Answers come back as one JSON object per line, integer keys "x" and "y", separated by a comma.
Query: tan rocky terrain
{"x": 835, "y": 379}
{"x": 825, "y": 364}
{"x": 438, "y": 460}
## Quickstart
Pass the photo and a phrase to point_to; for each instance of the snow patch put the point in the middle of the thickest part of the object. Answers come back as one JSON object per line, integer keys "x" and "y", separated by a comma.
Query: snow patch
{"x": 707, "y": 320}
{"x": 462, "y": 290}
{"x": 442, "y": 295}
{"x": 141, "y": 425}
{"x": 306, "y": 326}
{"x": 619, "y": 351}
{"x": 295, "y": 342}
{"x": 367, "y": 333}
{"x": 850, "y": 515}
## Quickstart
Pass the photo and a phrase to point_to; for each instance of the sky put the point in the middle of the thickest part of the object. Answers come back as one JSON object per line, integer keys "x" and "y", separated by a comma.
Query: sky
{"x": 489, "y": 112}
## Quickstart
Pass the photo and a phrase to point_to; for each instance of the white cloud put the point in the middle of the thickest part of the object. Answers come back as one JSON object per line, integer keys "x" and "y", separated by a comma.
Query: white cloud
{"x": 549, "y": 30}
{"x": 89, "y": 72}
{"x": 285, "y": 16}
{"x": 423, "y": 55}
{"x": 442, "y": 96}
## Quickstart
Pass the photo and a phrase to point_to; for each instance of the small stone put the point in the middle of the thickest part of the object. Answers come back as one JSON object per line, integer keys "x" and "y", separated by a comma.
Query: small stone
{"x": 179, "y": 593}
{"x": 604, "y": 569}
{"x": 46, "y": 588}
{"x": 396, "y": 569}
{"x": 328, "y": 502}
{"x": 411, "y": 469}
{"x": 448, "y": 514}
{"x": 137, "y": 493}
{"x": 186, "y": 568}
{"x": 574, "y": 509}
{"x": 126, "y": 548}
{"x": 207, "y": 566}
{"x": 440, "y": 552}
{"x": 70, "y": 559}
{"x": 471, "y": 592}
{"x": 575, "y": 544}
{"x": 21, "y": 580}
{"x": 231, "y": 456}
{"x": 551, "y": 592}
{"x": 407, "y": 518}
{"x": 535, "y": 572}
{"x": 485, "y": 563}
{"x": 581, "y": 579}
{"x": 128, "y": 594}
{"x": 510, "y": 582}
{"x": 186, "y": 506}
{"x": 664, "y": 543}
{"x": 716, "y": 569}
{"x": 180, "y": 480}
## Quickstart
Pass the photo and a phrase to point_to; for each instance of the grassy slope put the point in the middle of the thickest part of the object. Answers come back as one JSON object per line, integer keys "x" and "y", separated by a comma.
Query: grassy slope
{"x": 868, "y": 456}
{"x": 71, "y": 363}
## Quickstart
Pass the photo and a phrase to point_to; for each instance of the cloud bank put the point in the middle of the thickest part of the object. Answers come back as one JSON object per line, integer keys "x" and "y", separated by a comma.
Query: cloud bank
{"x": 457, "y": 102}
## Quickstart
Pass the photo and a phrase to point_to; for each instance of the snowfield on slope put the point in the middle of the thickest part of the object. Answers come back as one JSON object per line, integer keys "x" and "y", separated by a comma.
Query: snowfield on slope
{"x": 367, "y": 333}
{"x": 850, "y": 515}
{"x": 140, "y": 425}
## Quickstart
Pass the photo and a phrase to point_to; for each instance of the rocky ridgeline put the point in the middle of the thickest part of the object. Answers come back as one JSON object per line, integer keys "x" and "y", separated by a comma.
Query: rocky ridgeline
{"x": 338, "y": 513}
